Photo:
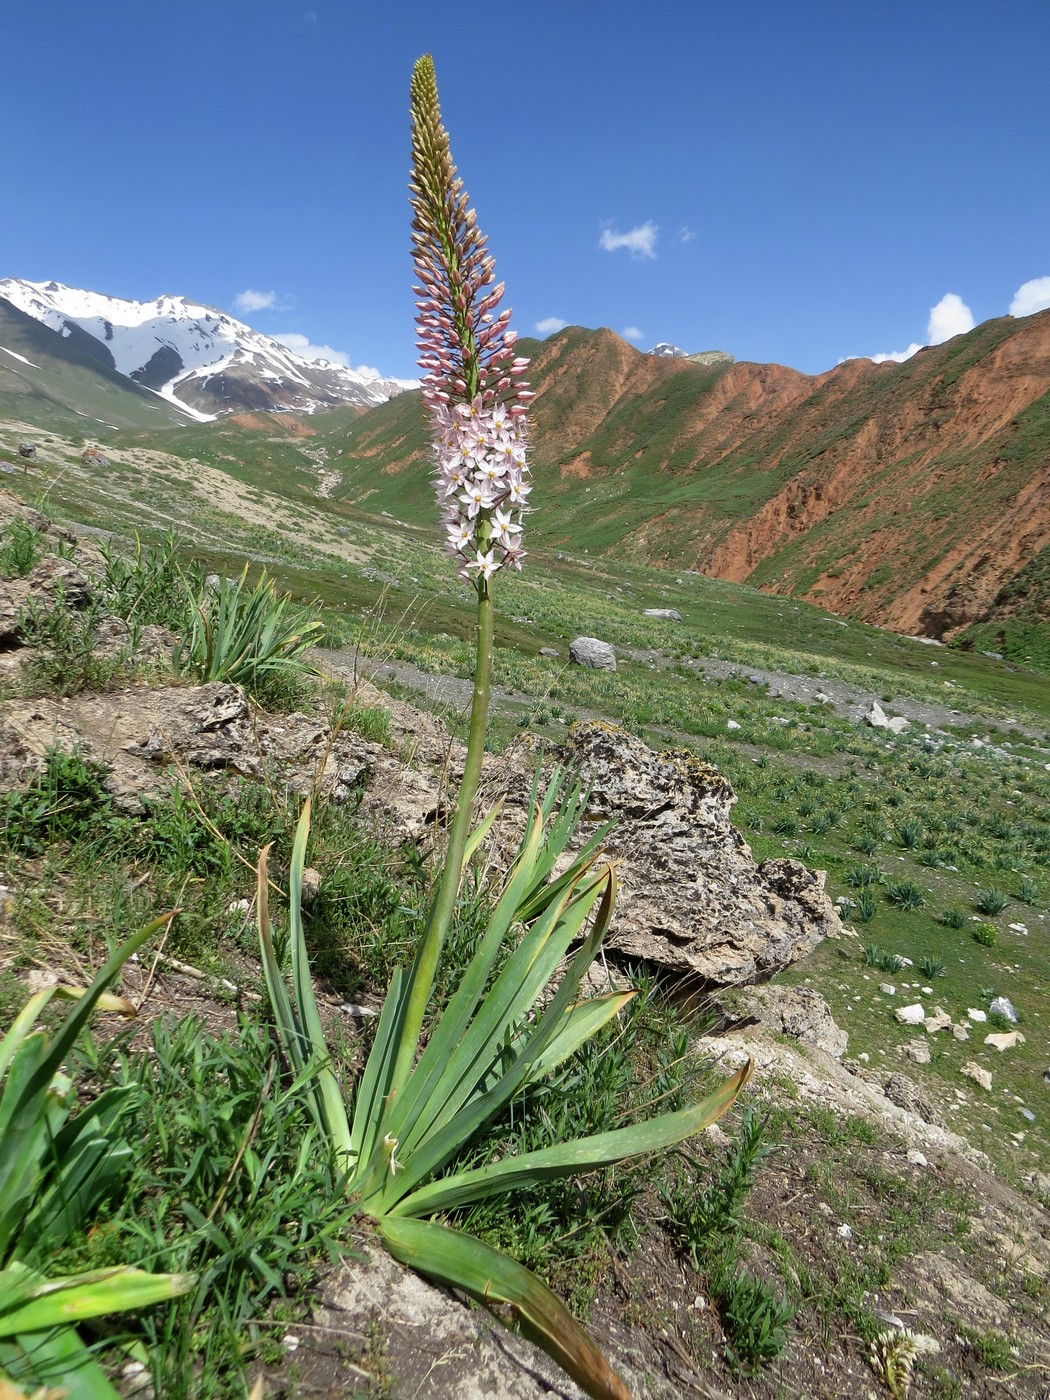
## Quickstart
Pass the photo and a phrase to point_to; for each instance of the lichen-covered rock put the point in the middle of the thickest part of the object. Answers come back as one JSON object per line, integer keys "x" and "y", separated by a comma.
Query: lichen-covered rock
{"x": 48, "y": 580}
{"x": 593, "y": 653}
{"x": 692, "y": 899}
{"x": 800, "y": 1013}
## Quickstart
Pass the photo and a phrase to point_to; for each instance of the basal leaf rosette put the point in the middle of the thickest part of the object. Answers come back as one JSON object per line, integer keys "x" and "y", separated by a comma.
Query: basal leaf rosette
{"x": 473, "y": 388}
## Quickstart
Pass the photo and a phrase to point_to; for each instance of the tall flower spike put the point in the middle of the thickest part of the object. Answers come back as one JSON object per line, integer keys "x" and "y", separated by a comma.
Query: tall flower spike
{"x": 472, "y": 383}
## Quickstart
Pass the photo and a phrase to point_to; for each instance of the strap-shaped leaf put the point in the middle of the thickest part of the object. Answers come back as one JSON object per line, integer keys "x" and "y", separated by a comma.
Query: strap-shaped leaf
{"x": 422, "y": 1090}
{"x": 21, "y": 1026}
{"x": 421, "y": 1156}
{"x": 572, "y": 1158}
{"x": 60, "y": 1359}
{"x": 370, "y": 1101}
{"x": 505, "y": 1007}
{"x": 302, "y": 1039}
{"x": 494, "y": 1279}
{"x": 327, "y": 1081}
{"x": 582, "y": 1022}
{"x": 54, "y": 1302}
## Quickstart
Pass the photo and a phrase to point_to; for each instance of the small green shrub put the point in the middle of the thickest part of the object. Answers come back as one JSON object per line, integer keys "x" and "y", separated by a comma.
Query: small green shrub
{"x": 985, "y": 935}
{"x": 152, "y": 586}
{"x": 63, "y": 641}
{"x": 754, "y": 1316}
{"x": 20, "y": 548}
{"x": 706, "y": 1223}
{"x": 931, "y": 967}
{"x": 953, "y": 918}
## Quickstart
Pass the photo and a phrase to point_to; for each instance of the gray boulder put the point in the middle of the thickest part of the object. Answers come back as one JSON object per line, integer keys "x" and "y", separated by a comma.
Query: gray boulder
{"x": 590, "y": 652}
{"x": 692, "y": 898}
{"x": 665, "y": 614}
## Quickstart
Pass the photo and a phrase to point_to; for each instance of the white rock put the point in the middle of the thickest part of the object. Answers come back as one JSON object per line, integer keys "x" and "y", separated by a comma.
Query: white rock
{"x": 916, "y": 1158}
{"x": 732, "y": 724}
{"x": 887, "y": 989}
{"x": 913, "y": 1015}
{"x": 1006, "y": 1040}
{"x": 974, "y": 1015}
{"x": 1003, "y": 1006}
{"x": 844, "y": 1232}
{"x": 977, "y": 1074}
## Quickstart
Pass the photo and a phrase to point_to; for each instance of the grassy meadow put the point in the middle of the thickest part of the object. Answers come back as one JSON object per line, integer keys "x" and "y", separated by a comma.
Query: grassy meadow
{"x": 937, "y": 841}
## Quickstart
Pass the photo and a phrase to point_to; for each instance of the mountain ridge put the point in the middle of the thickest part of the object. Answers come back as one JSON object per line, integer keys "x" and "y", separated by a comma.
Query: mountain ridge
{"x": 199, "y": 358}
{"x": 914, "y": 495}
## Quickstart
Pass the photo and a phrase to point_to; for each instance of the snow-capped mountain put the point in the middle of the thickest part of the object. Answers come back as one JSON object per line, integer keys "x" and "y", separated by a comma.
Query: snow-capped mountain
{"x": 664, "y": 349}
{"x": 196, "y": 357}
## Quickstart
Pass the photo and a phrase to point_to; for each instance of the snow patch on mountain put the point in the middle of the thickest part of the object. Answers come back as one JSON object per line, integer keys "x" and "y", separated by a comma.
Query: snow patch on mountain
{"x": 197, "y": 357}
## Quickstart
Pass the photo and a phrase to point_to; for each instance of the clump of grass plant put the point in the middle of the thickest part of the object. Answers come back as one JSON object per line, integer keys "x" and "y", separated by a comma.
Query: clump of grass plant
{"x": 421, "y": 1099}
{"x": 991, "y": 901}
{"x": 247, "y": 634}
{"x": 905, "y": 894}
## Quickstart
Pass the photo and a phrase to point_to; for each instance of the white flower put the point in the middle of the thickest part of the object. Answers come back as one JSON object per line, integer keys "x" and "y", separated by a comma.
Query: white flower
{"x": 485, "y": 564}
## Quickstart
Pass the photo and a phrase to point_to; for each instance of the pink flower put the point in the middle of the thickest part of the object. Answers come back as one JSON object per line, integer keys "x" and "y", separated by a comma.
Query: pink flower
{"x": 473, "y": 385}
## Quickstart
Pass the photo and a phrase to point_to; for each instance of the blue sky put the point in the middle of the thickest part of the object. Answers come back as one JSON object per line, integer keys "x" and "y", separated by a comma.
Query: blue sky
{"x": 789, "y": 181}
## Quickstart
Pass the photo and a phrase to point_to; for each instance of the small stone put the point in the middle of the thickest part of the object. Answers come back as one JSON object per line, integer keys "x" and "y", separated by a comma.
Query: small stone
{"x": 975, "y": 1015}
{"x": 937, "y": 1020}
{"x": 311, "y": 884}
{"x": 977, "y": 1074}
{"x": 913, "y": 1015}
{"x": 887, "y": 989}
{"x": 1027, "y": 1114}
{"x": 916, "y": 1158}
{"x": 917, "y": 1050}
{"x": 844, "y": 1232}
{"x": 549, "y": 651}
{"x": 732, "y": 724}
{"x": 960, "y": 1033}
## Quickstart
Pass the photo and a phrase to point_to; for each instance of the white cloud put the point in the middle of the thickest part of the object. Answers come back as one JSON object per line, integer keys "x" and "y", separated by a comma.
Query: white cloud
{"x": 550, "y": 324}
{"x": 951, "y": 316}
{"x": 254, "y": 301}
{"x": 640, "y": 242}
{"x": 899, "y": 356}
{"x": 301, "y": 346}
{"x": 1031, "y": 297}
{"x": 686, "y": 235}
{"x": 631, "y": 333}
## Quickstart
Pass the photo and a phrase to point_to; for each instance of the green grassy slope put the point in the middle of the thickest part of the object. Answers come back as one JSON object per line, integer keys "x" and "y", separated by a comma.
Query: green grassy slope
{"x": 66, "y": 386}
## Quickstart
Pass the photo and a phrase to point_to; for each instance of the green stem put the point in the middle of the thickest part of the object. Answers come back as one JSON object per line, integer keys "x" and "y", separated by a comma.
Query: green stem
{"x": 424, "y": 967}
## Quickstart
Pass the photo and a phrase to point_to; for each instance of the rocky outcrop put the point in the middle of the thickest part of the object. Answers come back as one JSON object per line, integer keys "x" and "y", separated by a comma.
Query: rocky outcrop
{"x": 692, "y": 899}
{"x": 150, "y": 738}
